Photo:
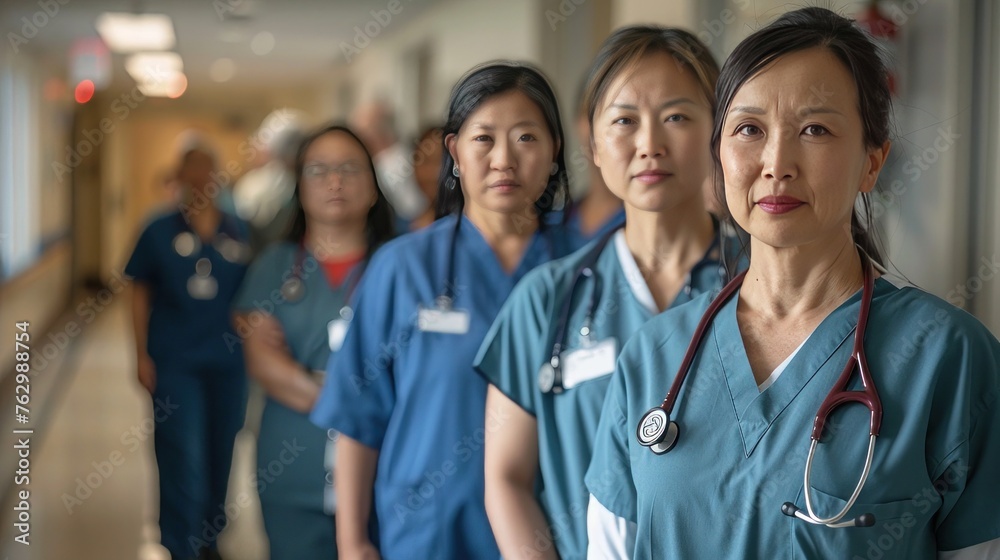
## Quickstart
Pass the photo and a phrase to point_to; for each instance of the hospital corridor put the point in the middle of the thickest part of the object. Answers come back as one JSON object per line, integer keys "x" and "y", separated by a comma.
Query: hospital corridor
{"x": 463, "y": 280}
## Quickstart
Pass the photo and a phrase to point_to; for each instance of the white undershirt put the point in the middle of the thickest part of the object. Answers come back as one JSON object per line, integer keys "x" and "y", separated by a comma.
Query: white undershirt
{"x": 632, "y": 273}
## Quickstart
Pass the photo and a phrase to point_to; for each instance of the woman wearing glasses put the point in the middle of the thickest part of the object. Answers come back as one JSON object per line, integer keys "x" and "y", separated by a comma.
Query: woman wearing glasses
{"x": 292, "y": 315}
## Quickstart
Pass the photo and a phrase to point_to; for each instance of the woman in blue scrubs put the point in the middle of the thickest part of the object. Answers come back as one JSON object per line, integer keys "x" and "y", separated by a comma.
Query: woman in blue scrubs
{"x": 402, "y": 391}
{"x": 649, "y": 100}
{"x": 186, "y": 268}
{"x": 800, "y": 134}
{"x": 293, "y": 315}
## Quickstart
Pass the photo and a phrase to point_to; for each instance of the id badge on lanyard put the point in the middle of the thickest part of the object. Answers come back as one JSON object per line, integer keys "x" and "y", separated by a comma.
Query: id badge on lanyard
{"x": 443, "y": 319}
{"x": 589, "y": 362}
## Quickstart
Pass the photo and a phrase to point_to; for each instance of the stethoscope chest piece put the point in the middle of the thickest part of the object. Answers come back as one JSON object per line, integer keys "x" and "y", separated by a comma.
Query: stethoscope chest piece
{"x": 547, "y": 379}
{"x": 293, "y": 289}
{"x": 657, "y": 432}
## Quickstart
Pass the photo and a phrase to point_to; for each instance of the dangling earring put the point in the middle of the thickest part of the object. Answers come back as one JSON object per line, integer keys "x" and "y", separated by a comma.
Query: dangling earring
{"x": 454, "y": 170}
{"x": 555, "y": 169}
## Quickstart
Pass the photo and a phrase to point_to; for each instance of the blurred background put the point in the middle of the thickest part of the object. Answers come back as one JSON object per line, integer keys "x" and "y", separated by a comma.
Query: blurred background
{"x": 95, "y": 93}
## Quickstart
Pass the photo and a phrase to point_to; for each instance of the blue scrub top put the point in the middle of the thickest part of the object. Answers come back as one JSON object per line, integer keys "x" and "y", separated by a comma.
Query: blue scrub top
{"x": 741, "y": 452}
{"x": 522, "y": 339}
{"x": 181, "y": 327}
{"x": 414, "y": 396}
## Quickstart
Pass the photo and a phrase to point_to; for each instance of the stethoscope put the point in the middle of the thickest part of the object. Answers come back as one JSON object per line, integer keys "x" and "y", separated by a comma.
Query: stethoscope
{"x": 658, "y": 432}
{"x": 187, "y": 243}
{"x": 550, "y": 375}
{"x": 294, "y": 288}
{"x": 446, "y": 297}
{"x": 202, "y": 285}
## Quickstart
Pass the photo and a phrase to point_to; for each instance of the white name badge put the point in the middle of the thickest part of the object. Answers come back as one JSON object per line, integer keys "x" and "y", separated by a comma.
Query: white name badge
{"x": 446, "y": 321}
{"x": 336, "y": 330}
{"x": 591, "y": 362}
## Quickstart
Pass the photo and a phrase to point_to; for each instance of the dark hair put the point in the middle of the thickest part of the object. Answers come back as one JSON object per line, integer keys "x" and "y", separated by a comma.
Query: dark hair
{"x": 800, "y": 30}
{"x": 379, "y": 226}
{"x": 480, "y": 84}
{"x": 624, "y": 48}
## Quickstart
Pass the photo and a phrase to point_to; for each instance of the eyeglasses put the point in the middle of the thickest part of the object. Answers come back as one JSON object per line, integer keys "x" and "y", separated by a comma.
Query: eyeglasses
{"x": 320, "y": 171}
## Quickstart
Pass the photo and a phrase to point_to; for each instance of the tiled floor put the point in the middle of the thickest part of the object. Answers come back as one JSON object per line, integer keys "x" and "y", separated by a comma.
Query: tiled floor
{"x": 92, "y": 487}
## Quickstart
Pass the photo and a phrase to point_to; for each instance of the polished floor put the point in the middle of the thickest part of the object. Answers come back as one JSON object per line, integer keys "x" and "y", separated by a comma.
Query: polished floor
{"x": 92, "y": 471}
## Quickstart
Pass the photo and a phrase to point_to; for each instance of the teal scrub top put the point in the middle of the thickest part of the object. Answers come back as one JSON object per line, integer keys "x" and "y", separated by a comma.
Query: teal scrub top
{"x": 304, "y": 320}
{"x": 411, "y": 393}
{"x": 305, "y": 324}
{"x": 741, "y": 452}
{"x": 522, "y": 338}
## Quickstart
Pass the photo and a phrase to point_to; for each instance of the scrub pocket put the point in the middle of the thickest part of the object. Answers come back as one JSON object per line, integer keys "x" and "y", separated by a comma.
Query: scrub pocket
{"x": 900, "y": 531}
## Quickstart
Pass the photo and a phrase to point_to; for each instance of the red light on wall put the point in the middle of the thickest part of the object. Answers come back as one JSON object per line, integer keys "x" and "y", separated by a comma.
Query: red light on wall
{"x": 84, "y": 91}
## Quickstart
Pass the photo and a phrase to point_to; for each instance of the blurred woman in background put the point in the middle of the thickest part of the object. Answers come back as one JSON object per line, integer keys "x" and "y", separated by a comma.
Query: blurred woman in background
{"x": 427, "y": 155}
{"x": 187, "y": 267}
{"x": 294, "y": 307}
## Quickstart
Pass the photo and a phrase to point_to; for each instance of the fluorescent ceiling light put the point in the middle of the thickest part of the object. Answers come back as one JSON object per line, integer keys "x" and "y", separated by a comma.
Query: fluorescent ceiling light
{"x": 172, "y": 87}
{"x": 153, "y": 66}
{"x": 125, "y": 32}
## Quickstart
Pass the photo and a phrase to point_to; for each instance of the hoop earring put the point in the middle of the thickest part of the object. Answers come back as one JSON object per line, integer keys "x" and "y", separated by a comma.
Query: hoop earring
{"x": 555, "y": 168}
{"x": 454, "y": 170}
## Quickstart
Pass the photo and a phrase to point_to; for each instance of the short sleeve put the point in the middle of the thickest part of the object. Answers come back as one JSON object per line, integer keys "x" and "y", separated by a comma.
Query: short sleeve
{"x": 141, "y": 265}
{"x": 359, "y": 394}
{"x": 261, "y": 279}
{"x": 609, "y": 478}
{"x": 969, "y": 511}
{"x": 514, "y": 347}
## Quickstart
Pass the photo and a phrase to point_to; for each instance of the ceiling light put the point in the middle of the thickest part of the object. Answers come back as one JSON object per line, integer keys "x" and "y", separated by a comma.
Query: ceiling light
{"x": 125, "y": 32}
{"x": 173, "y": 86}
{"x": 153, "y": 66}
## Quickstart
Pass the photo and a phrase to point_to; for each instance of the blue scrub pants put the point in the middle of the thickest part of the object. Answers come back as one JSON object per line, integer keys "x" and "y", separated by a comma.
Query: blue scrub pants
{"x": 194, "y": 451}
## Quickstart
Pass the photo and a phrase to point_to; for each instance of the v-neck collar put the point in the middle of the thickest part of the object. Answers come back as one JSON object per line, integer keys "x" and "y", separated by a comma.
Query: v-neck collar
{"x": 487, "y": 257}
{"x": 637, "y": 282}
{"x": 756, "y": 410}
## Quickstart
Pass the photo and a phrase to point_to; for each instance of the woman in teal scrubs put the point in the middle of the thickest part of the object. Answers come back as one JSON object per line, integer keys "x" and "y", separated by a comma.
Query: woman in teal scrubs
{"x": 649, "y": 100}
{"x": 800, "y": 134}
{"x": 293, "y": 315}
{"x": 402, "y": 391}
{"x": 186, "y": 268}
